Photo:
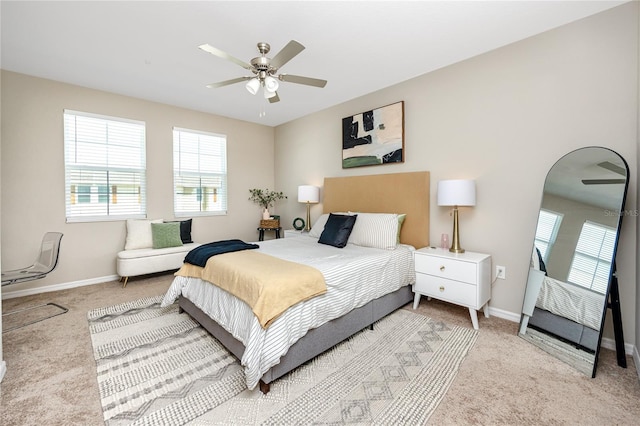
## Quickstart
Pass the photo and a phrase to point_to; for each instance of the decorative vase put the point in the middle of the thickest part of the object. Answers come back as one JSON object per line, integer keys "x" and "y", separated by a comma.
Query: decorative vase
{"x": 266, "y": 215}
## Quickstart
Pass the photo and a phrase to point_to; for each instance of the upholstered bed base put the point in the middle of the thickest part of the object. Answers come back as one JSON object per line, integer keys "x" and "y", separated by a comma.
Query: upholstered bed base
{"x": 565, "y": 329}
{"x": 316, "y": 341}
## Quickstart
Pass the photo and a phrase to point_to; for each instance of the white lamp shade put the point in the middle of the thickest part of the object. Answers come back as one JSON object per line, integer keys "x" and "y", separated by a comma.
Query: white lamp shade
{"x": 268, "y": 94}
{"x": 458, "y": 192}
{"x": 271, "y": 84}
{"x": 253, "y": 85}
{"x": 308, "y": 193}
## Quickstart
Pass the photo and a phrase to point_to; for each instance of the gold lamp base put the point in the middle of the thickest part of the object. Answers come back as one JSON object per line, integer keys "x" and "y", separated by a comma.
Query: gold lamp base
{"x": 307, "y": 224}
{"x": 455, "y": 244}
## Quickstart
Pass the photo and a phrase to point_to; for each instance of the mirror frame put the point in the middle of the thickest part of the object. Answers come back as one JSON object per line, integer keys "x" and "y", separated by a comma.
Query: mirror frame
{"x": 612, "y": 279}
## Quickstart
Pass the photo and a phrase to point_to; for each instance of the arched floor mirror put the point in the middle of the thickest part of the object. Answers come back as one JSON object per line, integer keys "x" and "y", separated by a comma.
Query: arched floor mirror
{"x": 572, "y": 269}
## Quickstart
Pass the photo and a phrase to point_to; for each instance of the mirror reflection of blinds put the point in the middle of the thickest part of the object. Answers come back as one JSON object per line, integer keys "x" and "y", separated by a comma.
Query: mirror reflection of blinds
{"x": 592, "y": 259}
{"x": 547, "y": 231}
{"x": 105, "y": 167}
{"x": 199, "y": 173}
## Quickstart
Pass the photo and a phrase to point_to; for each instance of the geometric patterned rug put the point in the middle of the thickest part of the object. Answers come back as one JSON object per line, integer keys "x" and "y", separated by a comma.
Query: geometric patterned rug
{"x": 157, "y": 367}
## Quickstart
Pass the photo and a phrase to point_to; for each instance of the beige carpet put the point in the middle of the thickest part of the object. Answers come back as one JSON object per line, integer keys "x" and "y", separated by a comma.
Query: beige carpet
{"x": 51, "y": 376}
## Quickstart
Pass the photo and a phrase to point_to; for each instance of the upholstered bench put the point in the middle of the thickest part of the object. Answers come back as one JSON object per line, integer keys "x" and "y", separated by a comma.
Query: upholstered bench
{"x": 153, "y": 246}
{"x": 144, "y": 261}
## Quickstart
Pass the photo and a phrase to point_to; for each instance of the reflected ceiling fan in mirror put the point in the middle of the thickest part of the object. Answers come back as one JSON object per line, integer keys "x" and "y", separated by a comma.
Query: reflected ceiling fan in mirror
{"x": 611, "y": 167}
{"x": 265, "y": 70}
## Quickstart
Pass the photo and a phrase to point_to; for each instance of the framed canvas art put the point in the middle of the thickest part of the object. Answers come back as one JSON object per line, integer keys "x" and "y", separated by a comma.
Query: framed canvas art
{"x": 374, "y": 137}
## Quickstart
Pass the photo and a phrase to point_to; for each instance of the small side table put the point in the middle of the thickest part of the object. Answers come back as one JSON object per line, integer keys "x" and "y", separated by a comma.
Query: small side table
{"x": 261, "y": 232}
{"x": 463, "y": 279}
{"x": 289, "y": 233}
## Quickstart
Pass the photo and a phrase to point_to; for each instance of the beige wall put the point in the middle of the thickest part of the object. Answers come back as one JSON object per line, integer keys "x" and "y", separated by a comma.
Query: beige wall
{"x": 33, "y": 175}
{"x": 503, "y": 119}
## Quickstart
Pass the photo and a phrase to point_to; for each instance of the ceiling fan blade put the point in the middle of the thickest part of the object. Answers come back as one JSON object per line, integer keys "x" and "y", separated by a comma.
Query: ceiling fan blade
{"x": 224, "y": 55}
{"x": 274, "y": 99}
{"x": 316, "y": 82}
{"x": 227, "y": 82}
{"x": 603, "y": 181}
{"x": 612, "y": 167}
{"x": 286, "y": 54}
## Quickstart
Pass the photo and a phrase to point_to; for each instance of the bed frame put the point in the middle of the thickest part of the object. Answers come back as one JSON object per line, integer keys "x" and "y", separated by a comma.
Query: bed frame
{"x": 388, "y": 193}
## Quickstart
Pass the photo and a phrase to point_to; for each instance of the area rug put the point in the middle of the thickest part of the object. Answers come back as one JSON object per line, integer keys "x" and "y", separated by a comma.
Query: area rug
{"x": 156, "y": 366}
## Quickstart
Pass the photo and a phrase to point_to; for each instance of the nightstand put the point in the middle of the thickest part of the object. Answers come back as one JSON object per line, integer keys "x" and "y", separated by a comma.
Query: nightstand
{"x": 460, "y": 278}
{"x": 288, "y": 233}
{"x": 261, "y": 230}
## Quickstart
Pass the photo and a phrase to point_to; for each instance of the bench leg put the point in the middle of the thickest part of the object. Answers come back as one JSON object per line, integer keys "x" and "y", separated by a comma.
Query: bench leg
{"x": 124, "y": 279}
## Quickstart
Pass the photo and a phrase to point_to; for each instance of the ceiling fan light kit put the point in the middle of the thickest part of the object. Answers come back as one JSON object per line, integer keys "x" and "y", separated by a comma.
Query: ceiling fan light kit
{"x": 265, "y": 70}
{"x": 253, "y": 85}
{"x": 271, "y": 84}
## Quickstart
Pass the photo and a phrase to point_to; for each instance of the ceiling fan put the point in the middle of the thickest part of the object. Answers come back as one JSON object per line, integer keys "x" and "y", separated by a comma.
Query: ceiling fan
{"x": 611, "y": 167}
{"x": 264, "y": 70}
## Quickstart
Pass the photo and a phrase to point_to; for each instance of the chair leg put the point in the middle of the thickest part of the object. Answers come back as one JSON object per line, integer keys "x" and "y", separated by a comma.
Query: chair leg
{"x": 62, "y": 308}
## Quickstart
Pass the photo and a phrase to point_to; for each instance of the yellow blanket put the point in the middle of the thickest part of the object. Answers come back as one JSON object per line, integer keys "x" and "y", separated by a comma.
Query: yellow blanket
{"x": 269, "y": 285}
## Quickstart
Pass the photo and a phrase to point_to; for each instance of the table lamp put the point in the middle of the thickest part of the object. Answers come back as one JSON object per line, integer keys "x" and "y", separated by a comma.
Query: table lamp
{"x": 308, "y": 194}
{"x": 456, "y": 193}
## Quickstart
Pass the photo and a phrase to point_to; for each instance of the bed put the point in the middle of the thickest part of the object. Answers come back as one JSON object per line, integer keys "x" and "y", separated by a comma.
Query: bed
{"x": 568, "y": 311}
{"x": 312, "y": 326}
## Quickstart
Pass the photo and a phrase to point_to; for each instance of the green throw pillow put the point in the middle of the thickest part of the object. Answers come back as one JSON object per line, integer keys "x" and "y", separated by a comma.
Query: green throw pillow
{"x": 401, "y": 218}
{"x": 166, "y": 235}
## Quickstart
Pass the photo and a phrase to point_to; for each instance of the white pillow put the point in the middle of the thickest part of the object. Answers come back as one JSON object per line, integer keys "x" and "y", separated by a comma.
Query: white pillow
{"x": 139, "y": 234}
{"x": 318, "y": 226}
{"x": 377, "y": 230}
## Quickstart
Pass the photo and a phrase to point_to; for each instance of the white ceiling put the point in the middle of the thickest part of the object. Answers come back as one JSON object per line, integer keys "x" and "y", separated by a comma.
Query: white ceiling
{"x": 148, "y": 49}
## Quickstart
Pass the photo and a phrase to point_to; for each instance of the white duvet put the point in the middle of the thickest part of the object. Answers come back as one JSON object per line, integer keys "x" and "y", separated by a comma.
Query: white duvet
{"x": 354, "y": 275}
{"x": 578, "y": 304}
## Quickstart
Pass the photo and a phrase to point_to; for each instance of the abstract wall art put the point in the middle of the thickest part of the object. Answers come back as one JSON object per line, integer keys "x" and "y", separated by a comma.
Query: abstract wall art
{"x": 374, "y": 137}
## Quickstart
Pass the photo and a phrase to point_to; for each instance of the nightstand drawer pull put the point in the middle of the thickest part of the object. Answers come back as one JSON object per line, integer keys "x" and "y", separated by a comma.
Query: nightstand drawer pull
{"x": 441, "y": 288}
{"x": 442, "y": 268}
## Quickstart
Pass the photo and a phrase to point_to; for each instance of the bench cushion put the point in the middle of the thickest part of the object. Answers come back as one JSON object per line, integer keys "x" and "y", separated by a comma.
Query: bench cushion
{"x": 147, "y": 252}
{"x": 147, "y": 261}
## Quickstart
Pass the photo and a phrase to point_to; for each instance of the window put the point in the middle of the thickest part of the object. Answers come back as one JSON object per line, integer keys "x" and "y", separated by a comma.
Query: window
{"x": 105, "y": 167}
{"x": 199, "y": 173}
{"x": 592, "y": 259}
{"x": 546, "y": 232}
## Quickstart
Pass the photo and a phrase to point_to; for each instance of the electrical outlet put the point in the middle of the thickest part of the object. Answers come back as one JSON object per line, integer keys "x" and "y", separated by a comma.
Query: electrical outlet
{"x": 501, "y": 272}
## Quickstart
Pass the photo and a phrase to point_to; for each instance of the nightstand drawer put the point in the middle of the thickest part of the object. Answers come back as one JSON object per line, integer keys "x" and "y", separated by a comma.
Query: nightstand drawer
{"x": 447, "y": 268}
{"x": 452, "y": 291}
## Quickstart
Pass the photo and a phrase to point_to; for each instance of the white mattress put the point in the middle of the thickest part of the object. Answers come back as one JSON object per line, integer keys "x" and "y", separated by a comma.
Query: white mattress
{"x": 578, "y": 304}
{"x": 354, "y": 275}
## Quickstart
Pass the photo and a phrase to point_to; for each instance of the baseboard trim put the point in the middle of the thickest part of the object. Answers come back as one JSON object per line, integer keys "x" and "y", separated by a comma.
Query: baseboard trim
{"x": 636, "y": 360}
{"x": 511, "y": 316}
{"x": 56, "y": 287}
{"x": 608, "y": 343}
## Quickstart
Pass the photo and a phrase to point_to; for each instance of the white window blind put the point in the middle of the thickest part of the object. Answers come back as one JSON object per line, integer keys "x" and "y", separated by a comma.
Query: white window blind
{"x": 199, "y": 173}
{"x": 547, "y": 231}
{"x": 592, "y": 259}
{"x": 105, "y": 167}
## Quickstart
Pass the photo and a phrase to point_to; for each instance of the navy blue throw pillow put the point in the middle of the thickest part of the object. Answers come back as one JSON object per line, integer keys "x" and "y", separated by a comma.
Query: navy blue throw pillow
{"x": 185, "y": 230}
{"x": 337, "y": 230}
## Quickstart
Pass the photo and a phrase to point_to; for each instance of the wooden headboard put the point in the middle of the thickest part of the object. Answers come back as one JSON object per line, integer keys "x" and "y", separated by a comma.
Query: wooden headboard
{"x": 387, "y": 193}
